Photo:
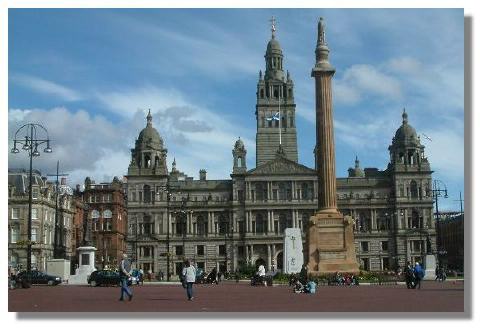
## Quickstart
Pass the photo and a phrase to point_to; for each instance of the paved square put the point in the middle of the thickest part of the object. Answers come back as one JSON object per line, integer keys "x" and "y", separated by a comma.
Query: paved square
{"x": 241, "y": 297}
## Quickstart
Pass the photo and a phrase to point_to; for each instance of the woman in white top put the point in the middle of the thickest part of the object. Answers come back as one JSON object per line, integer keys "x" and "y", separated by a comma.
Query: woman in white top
{"x": 189, "y": 274}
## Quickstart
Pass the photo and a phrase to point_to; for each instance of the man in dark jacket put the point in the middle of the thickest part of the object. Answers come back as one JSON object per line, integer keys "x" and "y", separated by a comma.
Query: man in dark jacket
{"x": 409, "y": 275}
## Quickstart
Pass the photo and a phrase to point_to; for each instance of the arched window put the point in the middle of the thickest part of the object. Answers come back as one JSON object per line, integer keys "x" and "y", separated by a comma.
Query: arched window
{"x": 107, "y": 214}
{"x": 239, "y": 161}
{"x": 147, "y": 160}
{"x": 275, "y": 93}
{"x": 95, "y": 214}
{"x": 413, "y": 189}
{"x": 262, "y": 93}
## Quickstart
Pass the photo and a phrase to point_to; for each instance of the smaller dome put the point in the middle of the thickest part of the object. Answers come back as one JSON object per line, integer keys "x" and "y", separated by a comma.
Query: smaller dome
{"x": 239, "y": 144}
{"x": 405, "y": 132}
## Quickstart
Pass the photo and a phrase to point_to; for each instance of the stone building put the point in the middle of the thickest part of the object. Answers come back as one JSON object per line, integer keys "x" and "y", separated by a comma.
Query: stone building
{"x": 105, "y": 203}
{"x": 226, "y": 223}
{"x": 43, "y": 219}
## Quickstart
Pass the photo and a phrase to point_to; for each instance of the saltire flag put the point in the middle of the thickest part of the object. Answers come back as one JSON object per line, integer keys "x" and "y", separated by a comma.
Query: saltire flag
{"x": 275, "y": 117}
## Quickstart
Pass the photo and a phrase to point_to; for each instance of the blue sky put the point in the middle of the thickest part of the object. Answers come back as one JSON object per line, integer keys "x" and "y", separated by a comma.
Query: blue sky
{"x": 90, "y": 75}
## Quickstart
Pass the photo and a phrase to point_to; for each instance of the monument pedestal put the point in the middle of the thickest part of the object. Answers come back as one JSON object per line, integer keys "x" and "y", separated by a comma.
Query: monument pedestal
{"x": 430, "y": 265}
{"x": 86, "y": 255}
{"x": 331, "y": 246}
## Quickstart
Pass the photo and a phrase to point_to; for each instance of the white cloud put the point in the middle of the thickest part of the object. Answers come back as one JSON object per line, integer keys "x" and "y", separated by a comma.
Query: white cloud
{"x": 80, "y": 142}
{"x": 446, "y": 152}
{"x": 363, "y": 79}
{"x": 126, "y": 102}
{"x": 43, "y": 86}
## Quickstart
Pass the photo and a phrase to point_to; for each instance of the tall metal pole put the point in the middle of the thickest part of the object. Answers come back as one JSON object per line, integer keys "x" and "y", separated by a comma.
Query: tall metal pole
{"x": 30, "y": 199}
{"x": 168, "y": 234}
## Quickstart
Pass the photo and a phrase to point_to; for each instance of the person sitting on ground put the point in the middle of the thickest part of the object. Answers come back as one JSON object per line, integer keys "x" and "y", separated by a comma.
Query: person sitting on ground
{"x": 311, "y": 287}
{"x": 298, "y": 287}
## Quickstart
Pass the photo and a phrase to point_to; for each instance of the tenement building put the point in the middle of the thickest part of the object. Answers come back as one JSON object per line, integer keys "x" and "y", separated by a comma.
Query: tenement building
{"x": 44, "y": 201}
{"x": 227, "y": 223}
{"x": 105, "y": 203}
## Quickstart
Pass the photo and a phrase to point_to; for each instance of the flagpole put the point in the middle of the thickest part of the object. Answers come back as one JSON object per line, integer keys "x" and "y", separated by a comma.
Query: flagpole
{"x": 279, "y": 117}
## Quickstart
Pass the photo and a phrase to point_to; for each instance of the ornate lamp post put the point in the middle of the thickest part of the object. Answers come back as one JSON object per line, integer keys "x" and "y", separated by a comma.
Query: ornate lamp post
{"x": 33, "y": 138}
{"x": 439, "y": 189}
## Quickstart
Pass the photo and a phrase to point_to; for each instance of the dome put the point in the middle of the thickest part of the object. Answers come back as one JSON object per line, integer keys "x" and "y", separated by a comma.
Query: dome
{"x": 273, "y": 45}
{"x": 149, "y": 135}
{"x": 406, "y": 131}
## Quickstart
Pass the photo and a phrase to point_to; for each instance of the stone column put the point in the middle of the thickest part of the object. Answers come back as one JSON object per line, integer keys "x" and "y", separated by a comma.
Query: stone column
{"x": 373, "y": 219}
{"x": 330, "y": 231}
{"x": 273, "y": 255}
{"x": 269, "y": 258}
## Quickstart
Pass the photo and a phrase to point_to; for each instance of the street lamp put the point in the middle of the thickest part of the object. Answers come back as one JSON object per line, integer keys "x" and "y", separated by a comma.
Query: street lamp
{"x": 30, "y": 144}
{"x": 439, "y": 189}
{"x": 166, "y": 189}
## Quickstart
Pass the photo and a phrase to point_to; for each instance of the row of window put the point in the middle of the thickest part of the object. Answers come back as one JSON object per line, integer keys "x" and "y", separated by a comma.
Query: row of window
{"x": 49, "y": 216}
{"x": 100, "y": 198}
{"x": 48, "y": 236}
{"x": 365, "y": 246}
{"x": 107, "y": 214}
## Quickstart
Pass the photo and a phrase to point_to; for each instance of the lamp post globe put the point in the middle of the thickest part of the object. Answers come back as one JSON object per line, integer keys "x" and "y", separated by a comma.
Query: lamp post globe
{"x": 33, "y": 138}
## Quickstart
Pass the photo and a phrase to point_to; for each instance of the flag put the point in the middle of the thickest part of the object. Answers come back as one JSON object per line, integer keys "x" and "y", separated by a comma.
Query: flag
{"x": 275, "y": 117}
{"x": 426, "y": 137}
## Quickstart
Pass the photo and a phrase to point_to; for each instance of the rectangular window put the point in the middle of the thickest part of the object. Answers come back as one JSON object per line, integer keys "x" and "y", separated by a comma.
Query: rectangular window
{"x": 34, "y": 213}
{"x": 35, "y": 192}
{"x": 200, "y": 250}
{"x": 15, "y": 213}
{"x": 222, "y": 250}
{"x": 178, "y": 250}
{"x": 201, "y": 265}
{"x": 34, "y": 234}
{"x": 365, "y": 264}
{"x": 14, "y": 234}
{"x": 364, "y": 246}
{"x": 384, "y": 245}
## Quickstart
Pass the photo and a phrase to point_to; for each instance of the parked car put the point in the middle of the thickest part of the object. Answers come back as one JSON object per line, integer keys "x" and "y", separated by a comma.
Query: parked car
{"x": 36, "y": 277}
{"x": 107, "y": 278}
{"x": 104, "y": 278}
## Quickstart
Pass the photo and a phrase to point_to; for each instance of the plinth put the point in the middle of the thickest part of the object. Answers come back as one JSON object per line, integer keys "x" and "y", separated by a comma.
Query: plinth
{"x": 331, "y": 246}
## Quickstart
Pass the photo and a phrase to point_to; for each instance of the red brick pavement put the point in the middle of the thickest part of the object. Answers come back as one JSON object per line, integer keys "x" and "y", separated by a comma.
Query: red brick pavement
{"x": 231, "y": 297}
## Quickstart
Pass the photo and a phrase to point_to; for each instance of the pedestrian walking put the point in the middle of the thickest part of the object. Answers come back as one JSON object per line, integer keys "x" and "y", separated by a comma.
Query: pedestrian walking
{"x": 419, "y": 274}
{"x": 409, "y": 276}
{"x": 124, "y": 269}
{"x": 189, "y": 273}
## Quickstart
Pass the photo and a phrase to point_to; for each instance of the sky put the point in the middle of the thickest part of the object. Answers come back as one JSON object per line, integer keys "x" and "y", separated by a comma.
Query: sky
{"x": 90, "y": 76}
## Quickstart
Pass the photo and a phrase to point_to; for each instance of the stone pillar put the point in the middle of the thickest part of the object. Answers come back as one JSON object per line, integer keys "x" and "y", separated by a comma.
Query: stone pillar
{"x": 331, "y": 243}
{"x": 373, "y": 219}
{"x": 269, "y": 258}
{"x": 274, "y": 257}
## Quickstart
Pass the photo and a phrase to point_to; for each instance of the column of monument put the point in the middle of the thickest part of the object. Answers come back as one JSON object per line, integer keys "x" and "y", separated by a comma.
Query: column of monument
{"x": 330, "y": 235}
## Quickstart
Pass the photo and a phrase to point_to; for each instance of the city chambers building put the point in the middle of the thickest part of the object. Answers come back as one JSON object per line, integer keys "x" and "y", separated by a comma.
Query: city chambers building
{"x": 231, "y": 222}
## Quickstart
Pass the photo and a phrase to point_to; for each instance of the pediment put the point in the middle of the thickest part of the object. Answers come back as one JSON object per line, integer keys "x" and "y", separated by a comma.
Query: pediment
{"x": 281, "y": 166}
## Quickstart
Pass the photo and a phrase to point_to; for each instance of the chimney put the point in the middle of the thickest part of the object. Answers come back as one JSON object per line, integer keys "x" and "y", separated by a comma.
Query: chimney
{"x": 203, "y": 175}
{"x": 63, "y": 181}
